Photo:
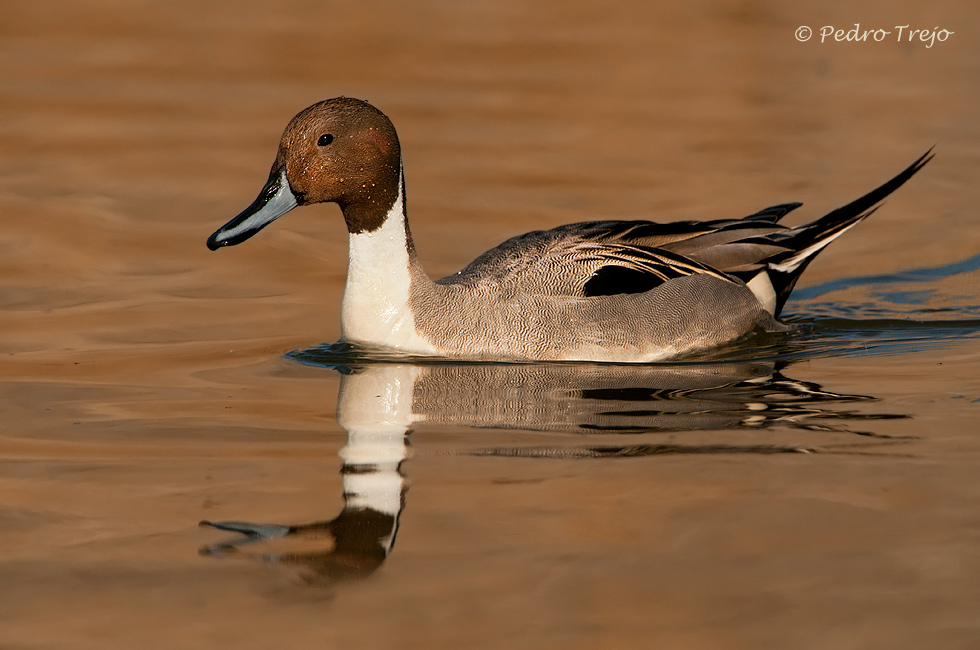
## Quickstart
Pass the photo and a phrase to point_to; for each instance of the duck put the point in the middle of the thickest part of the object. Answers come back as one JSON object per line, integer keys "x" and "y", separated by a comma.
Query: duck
{"x": 596, "y": 291}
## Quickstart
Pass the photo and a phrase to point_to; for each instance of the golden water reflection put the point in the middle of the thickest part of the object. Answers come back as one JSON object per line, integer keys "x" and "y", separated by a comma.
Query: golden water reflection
{"x": 379, "y": 404}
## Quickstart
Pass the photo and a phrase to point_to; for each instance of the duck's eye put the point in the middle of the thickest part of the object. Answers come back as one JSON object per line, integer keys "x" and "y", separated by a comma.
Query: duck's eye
{"x": 325, "y": 139}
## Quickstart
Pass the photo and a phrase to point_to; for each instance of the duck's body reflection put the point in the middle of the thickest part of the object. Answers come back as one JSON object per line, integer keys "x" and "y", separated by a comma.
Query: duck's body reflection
{"x": 379, "y": 403}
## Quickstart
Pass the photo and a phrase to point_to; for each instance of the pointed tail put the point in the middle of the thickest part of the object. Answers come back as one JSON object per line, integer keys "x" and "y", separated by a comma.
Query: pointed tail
{"x": 806, "y": 241}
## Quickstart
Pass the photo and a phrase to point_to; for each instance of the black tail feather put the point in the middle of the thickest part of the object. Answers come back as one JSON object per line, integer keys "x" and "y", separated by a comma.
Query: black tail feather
{"x": 854, "y": 210}
{"x": 803, "y": 237}
{"x": 783, "y": 282}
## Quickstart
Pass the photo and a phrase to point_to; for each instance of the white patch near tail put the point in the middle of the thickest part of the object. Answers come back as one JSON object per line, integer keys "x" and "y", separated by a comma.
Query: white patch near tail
{"x": 794, "y": 262}
{"x": 761, "y": 286}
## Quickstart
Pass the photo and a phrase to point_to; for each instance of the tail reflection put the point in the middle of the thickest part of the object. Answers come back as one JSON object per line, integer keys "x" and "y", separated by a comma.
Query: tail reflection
{"x": 380, "y": 402}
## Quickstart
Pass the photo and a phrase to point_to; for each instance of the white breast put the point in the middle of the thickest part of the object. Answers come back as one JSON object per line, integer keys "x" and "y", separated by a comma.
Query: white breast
{"x": 375, "y": 309}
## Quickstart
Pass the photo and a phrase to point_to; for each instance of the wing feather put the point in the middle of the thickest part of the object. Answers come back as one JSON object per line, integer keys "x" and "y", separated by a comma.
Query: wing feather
{"x": 578, "y": 260}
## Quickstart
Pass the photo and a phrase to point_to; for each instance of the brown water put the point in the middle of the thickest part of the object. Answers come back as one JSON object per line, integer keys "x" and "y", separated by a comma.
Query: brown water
{"x": 824, "y": 492}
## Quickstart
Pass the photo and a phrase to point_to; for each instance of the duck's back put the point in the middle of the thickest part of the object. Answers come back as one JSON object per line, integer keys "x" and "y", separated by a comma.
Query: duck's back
{"x": 608, "y": 257}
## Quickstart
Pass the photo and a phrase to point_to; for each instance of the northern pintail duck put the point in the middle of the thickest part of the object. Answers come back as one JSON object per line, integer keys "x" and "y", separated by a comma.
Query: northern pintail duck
{"x": 625, "y": 291}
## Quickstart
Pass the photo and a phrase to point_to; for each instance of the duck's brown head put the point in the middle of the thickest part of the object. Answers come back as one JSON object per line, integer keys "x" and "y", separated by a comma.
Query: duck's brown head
{"x": 341, "y": 150}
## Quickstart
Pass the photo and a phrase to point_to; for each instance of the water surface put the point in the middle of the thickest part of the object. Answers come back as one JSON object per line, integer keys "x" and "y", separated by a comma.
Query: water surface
{"x": 812, "y": 490}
